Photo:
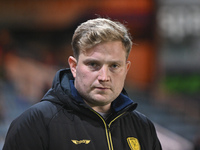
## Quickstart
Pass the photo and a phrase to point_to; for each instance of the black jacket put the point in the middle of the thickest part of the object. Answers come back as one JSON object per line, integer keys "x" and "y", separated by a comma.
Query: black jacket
{"x": 62, "y": 121}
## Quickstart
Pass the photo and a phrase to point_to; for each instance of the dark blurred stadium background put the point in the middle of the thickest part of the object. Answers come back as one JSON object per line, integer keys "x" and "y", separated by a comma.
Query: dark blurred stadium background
{"x": 164, "y": 78}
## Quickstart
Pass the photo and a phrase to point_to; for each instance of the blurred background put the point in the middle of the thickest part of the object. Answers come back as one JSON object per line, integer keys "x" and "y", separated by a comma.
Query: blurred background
{"x": 164, "y": 78}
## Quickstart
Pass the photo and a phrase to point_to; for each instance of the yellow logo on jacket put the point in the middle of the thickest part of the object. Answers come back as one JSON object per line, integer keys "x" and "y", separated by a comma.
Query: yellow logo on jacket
{"x": 81, "y": 141}
{"x": 133, "y": 143}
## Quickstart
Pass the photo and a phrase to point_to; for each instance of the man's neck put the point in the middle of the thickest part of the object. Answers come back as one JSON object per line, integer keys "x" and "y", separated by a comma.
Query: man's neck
{"x": 104, "y": 115}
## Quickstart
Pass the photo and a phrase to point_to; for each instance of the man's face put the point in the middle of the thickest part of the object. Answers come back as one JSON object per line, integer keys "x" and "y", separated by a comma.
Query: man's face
{"x": 100, "y": 73}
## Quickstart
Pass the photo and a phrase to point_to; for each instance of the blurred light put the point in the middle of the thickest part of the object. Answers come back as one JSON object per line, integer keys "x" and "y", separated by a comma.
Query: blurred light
{"x": 179, "y": 21}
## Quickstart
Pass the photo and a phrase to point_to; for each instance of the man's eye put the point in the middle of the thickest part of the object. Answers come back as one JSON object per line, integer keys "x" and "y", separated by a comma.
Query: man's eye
{"x": 115, "y": 66}
{"x": 93, "y": 65}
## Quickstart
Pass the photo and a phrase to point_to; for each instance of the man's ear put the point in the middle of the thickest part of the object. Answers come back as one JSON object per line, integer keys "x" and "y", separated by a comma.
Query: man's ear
{"x": 72, "y": 63}
{"x": 128, "y": 65}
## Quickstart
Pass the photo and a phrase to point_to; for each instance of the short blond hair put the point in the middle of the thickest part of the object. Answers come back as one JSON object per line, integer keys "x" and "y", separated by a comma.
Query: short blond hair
{"x": 99, "y": 30}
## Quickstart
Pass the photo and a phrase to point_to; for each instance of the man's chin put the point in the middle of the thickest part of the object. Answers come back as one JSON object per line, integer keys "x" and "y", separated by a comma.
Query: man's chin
{"x": 101, "y": 100}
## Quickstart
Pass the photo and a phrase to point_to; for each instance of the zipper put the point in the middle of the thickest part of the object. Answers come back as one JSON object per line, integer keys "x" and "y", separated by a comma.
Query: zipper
{"x": 107, "y": 129}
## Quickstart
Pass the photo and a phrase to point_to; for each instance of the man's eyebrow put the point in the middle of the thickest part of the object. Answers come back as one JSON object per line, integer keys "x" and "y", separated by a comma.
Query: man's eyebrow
{"x": 91, "y": 60}
{"x": 109, "y": 61}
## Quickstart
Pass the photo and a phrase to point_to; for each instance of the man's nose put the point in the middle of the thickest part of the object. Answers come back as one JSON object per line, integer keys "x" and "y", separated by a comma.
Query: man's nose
{"x": 104, "y": 74}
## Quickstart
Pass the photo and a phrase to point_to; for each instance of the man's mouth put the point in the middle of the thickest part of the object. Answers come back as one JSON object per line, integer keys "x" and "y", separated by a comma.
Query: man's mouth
{"x": 102, "y": 88}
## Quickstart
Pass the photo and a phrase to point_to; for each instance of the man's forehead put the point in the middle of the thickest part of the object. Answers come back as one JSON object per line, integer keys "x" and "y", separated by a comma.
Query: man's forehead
{"x": 105, "y": 46}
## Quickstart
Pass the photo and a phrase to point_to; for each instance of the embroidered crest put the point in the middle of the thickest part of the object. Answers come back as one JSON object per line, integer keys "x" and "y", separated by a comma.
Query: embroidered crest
{"x": 133, "y": 143}
{"x": 81, "y": 142}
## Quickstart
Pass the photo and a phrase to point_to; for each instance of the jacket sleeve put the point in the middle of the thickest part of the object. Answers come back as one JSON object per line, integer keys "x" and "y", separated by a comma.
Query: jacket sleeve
{"x": 156, "y": 142}
{"x": 27, "y": 132}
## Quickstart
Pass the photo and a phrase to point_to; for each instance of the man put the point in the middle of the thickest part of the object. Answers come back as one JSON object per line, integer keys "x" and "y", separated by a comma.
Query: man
{"x": 87, "y": 107}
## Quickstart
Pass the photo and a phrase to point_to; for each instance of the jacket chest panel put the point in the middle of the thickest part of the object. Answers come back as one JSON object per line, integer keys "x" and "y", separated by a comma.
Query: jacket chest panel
{"x": 76, "y": 133}
{"x": 121, "y": 131}
{"x": 69, "y": 130}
